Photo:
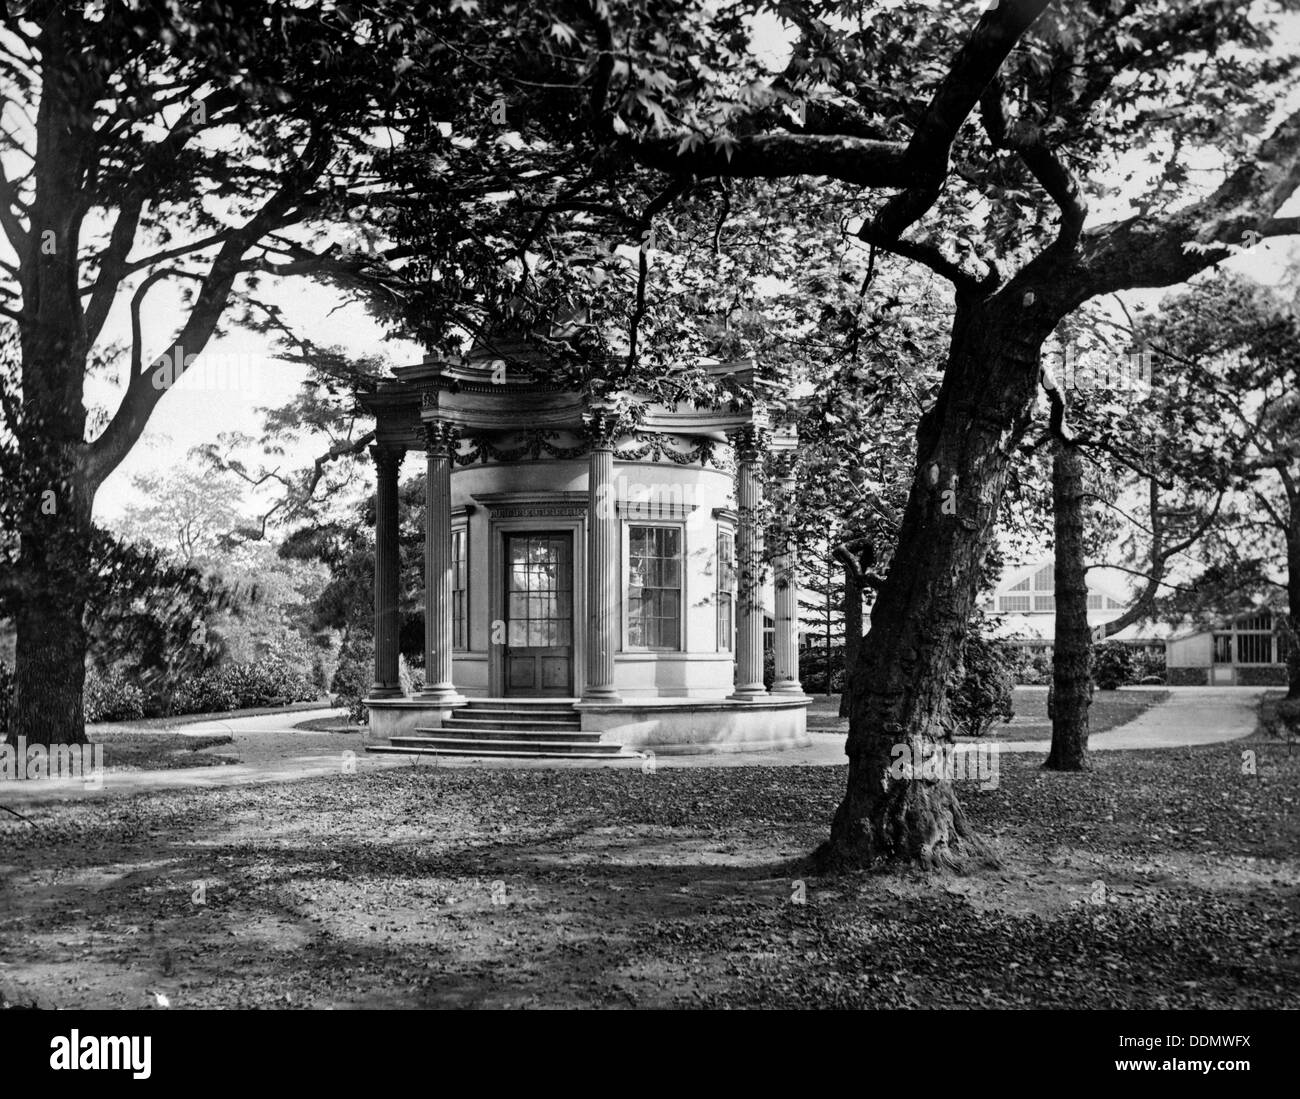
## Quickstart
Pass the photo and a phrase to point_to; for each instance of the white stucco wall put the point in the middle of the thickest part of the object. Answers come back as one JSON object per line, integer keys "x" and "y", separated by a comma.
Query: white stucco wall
{"x": 646, "y": 493}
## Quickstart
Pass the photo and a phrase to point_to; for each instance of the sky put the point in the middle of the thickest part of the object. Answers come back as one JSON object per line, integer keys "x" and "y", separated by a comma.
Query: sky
{"x": 224, "y": 390}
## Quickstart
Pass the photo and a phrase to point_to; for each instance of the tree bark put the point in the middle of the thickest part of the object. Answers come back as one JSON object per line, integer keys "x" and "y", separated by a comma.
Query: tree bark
{"x": 1072, "y": 647}
{"x": 55, "y": 496}
{"x": 900, "y": 805}
{"x": 852, "y": 638}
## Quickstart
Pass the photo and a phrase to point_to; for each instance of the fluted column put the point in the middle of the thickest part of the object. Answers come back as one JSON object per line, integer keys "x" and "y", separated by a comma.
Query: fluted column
{"x": 786, "y": 639}
{"x": 440, "y": 441}
{"x": 602, "y": 566}
{"x": 749, "y": 559}
{"x": 388, "y": 459}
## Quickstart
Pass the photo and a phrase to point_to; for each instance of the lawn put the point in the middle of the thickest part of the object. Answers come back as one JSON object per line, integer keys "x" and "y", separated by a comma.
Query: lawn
{"x": 1109, "y": 710}
{"x": 147, "y": 751}
{"x": 1158, "y": 880}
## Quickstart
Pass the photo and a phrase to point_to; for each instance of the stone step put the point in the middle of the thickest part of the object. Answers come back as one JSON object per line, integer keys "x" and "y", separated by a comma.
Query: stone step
{"x": 477, "y": 732}
{"x": 528, "y": 705}
{"x": 550, "y": 746}
{"x": 480, "y": 752}
{"x": 508, "y": 718}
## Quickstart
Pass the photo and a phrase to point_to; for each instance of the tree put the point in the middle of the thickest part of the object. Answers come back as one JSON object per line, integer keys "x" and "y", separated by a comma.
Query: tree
{"x": 1071, "y": 692}
{"x": 189, "y": 515}
{"x": 1239, "y": 344}
{"x": 1064, "y": 95}
{"x": 145, "y": 145}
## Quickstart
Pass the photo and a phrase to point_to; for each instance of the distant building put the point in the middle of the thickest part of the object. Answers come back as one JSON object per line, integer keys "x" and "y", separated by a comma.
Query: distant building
{"x": 1025, "y": 600}
{"x": 1247, "y": 651}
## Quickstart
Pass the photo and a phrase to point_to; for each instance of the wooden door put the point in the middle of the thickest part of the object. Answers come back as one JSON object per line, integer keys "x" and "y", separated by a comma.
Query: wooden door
{"x": 539, "y": 614}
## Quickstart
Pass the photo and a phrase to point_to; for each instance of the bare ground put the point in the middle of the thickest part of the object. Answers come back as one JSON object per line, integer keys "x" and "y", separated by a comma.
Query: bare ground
{"x": 1160, "y": 879}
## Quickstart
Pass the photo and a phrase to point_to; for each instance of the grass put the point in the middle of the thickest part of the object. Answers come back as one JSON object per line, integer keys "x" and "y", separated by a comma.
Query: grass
{"x": 1162, "y": 879}
{"x": 175, "y": 721}
{"x": 1109, "y": 710}
{"x": 125, "y": 751}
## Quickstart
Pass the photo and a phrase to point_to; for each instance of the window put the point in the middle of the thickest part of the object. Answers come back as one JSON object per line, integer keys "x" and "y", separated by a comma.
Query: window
{"x": 1113, "y": 604}
{"x": 654, "y": 588}
{"x": 1044, "y": 602}
{"x": 1223, "y": 648}
{"x": 1262, "y": 622}
{"x": 1094, "y": 601}
{"x": 539, "y": 591}
{"x": 1015, "y": 603}
{"x": 459, "y": 588}
{"x": 1044, "y": 578}
{"x": 726, "y": 591}
{"x": 1022, "y": 586}
{"x": 1254, "y": 648}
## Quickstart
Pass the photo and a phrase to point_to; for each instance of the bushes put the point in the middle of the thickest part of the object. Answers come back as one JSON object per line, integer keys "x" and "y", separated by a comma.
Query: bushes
{"x": 268, "y": 682}
{"x": 982, "y": 692}
{"x": 1265, "y": 675}
{"x": 812, "y": 669}
{"x": 1281, "y": 718}
{"x": 1113, "y": 666}
{"x": 110, "y": 696}
{"x": 354, "y": 676}
{"x": 1028, "y": 667}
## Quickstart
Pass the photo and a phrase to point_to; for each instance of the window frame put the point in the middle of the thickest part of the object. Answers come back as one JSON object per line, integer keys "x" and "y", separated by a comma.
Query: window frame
{"x": 463, "y": 645}
{"x": 729, "y": 533}
{"x": 626, "y": 571}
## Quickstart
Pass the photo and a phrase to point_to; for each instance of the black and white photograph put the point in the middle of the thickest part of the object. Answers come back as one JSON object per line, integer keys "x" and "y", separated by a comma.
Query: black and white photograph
{"x": 669, "y": 506}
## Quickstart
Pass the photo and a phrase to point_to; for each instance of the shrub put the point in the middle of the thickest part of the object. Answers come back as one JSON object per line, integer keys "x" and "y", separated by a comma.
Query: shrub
{"x": 1113, "y": 665}
{"x": 1187, "y": 677}
{"x": 1262, "y": 675}
{"x": 259, "y": 683}
{"x": 1149, "y": 667}
{"x": 354, "y": 676}
{"x": 812, "y": 669}
{"x": 110, "y": 696}
{"x": 1281, "y": 718}
{"x": 981, "y": 692}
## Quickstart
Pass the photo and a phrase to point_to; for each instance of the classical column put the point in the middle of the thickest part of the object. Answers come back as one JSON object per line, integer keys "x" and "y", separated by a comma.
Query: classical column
{"x": 749, "y": 560}
{"x": 388, "y": 460}
{"x": 440, "y": 440}
{"x": 786, "y": 639}
{"x": 602, "y": 565}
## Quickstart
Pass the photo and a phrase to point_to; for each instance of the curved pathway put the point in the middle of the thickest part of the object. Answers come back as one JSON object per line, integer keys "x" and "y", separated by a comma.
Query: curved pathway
{"x": 1191, "y": 715}
{"x": 271, "y": 750}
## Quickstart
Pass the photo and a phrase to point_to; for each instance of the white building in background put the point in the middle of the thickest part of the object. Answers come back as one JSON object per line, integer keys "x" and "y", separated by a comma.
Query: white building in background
{"x": 1025, "y": 600}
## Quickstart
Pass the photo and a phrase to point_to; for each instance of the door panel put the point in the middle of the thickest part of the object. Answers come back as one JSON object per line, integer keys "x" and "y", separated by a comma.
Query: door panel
{"x": 539, "y": 614}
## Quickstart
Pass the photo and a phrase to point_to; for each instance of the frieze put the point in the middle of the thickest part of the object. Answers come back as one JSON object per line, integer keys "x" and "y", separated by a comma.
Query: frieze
{"x": 652, "y": 447}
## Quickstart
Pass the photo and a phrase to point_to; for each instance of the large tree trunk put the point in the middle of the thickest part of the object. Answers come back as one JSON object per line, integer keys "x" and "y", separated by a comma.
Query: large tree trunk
{"x": 852, "y": 638}
{"x": 54, "y": 574}
{"x": 900, "y": 805}
{"x": 1071, "y": 677}
{"x": 56, "y": 496}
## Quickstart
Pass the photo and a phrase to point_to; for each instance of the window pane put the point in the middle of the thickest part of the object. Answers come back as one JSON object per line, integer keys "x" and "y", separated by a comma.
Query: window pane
{"x": 654, "y": 587}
